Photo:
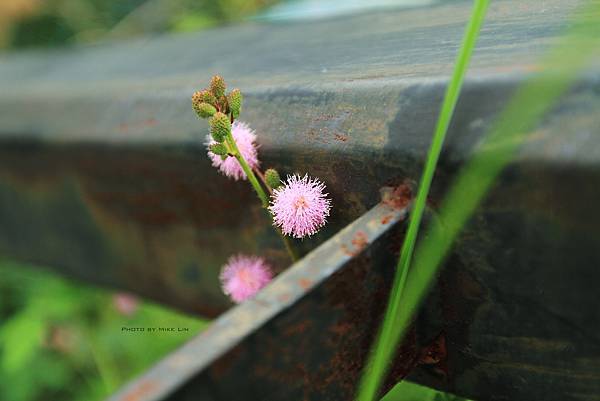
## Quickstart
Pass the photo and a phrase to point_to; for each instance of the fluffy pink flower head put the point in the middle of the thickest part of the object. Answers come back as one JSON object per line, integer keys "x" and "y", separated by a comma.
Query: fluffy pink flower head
{"x": 245, "y": 139}
{"x": 126, "y": 304}
{"x": 243, "y": 276}
{"x": 300, "y": 207}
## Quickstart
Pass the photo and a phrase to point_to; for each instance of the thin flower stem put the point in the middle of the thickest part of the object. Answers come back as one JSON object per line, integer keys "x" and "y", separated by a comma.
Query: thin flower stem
{"x": 264, "y": 181}
{"x": 251, "y": 177}
{"x": 289, "y": 246}
{"x": 288, "y": 243}
{"x": 260, "y": 192}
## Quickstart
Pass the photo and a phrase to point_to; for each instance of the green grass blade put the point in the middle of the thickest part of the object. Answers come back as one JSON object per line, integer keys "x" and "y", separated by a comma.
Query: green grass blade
{"x": 380, "y": 356}
{"x": 559, "y": 69}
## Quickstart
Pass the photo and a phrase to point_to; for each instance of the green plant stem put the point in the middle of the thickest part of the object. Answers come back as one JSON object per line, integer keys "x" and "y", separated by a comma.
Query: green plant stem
{"x": 286, "y": 240}
{"x": 249, "y": 173}
{"x": 263, "y": 180}
{"x": 383, "y": 348}
{"x": 262, "y": 195}
{"x": 289, "y": 246}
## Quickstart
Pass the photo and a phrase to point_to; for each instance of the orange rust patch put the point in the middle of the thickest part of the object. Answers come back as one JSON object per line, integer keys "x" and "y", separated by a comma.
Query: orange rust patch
{"x": 284, "y": 297}
{"x": 386, "y": 219}
{"x": 140, "y": 391}
{"x": 305, "y": 283}
{"x": 124, "y": 127}
{"x": 324, "y": 117}
{"x": 359, "y": 242}
{"x": 341, "y": 137}
{"x": 399, "y": 198}
{"x": 435, "y": 355}
{"x": 347, "y": 251}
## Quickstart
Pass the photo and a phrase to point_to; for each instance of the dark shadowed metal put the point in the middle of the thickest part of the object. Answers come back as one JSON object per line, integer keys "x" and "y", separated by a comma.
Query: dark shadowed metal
{"x": 104, "y": 177}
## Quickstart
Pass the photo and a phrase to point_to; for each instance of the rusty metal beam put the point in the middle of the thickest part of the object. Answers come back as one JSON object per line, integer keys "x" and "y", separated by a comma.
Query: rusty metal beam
{"x": 103, "y": 177}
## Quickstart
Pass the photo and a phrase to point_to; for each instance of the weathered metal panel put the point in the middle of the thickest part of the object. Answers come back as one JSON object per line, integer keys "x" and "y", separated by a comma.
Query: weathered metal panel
{"x": 107, "y": 132}
{"x": 289, "y": 341}
{"x": 103, "y": 176}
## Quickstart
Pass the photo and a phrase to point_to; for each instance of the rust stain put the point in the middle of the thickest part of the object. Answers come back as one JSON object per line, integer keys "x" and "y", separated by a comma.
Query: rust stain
{"x": 319, "y": 135}
{"x": 150, "y": 122}
{"x": 284, "y": 297}
{"x": 347, "y": 251}
{"x": 140, "y": 391}
{"x": 400, "y": 197}
{"x": 386, "y": 219}
{"x": 341, "y": 137}
{"x": 305, "y": 283}
{"x": 324, "y": 117}
{"x": 435, "y": 355}
{"x": 359, "y": 242}
{"x": 435, "y": 352}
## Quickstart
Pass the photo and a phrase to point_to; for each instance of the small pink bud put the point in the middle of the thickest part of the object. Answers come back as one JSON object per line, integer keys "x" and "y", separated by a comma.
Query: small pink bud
{"x": 125, "y": 304}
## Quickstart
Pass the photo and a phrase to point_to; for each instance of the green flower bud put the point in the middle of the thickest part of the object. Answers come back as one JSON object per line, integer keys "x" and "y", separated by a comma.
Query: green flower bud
{"x": 205, "y": 110}
{"x": 218, "y": 149}
{"x": 217, "y": 86}
{"x": 235, "y": 102}
{"x": 203, "y": 96}
{"x": 272, "y": 178}
{"x": 220, "y": 126}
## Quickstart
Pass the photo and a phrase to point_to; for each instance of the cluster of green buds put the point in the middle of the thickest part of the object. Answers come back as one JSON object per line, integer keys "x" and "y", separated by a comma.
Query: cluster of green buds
{"x": 233, "y": 150}
{"x": 221, "y": 109}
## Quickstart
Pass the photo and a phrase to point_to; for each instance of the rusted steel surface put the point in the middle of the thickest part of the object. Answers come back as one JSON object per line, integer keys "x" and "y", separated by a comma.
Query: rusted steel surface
{"x": 103, "y": 176}
{"x": 269, "y": 372}
{"x": 103, "y": 173}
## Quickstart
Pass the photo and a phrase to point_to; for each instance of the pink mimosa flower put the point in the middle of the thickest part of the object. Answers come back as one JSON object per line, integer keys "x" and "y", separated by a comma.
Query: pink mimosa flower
{"x": 243, "y": 276}
{"x": 126, "y": 304}
{"x": 245, "y": 139}
{"x": 300, "y": 207}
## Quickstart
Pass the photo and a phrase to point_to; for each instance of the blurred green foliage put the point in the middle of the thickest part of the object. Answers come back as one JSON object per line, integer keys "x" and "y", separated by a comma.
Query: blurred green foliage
{"x": 61, "y": 340}
{"x": 407, "y": 391}
{"x": 37, "y": 23}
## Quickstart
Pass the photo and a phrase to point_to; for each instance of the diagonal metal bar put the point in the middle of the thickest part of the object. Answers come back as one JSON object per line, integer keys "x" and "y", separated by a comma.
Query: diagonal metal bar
{"x": 103, "y": 177}
{"x": 231, "y": 328}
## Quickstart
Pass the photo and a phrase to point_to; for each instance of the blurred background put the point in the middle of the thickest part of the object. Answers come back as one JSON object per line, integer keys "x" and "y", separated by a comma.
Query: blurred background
{"x": 63, "y": 340}
{"x": 44, "y": 23}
